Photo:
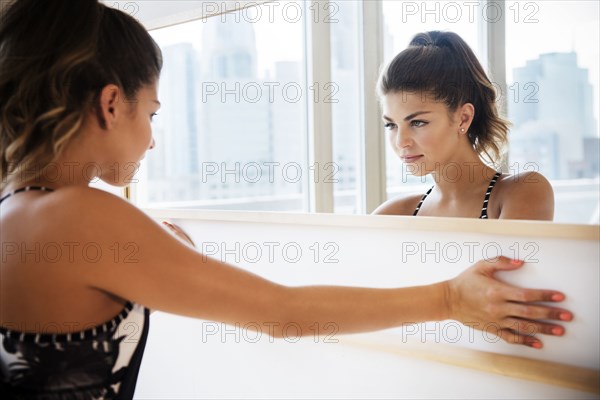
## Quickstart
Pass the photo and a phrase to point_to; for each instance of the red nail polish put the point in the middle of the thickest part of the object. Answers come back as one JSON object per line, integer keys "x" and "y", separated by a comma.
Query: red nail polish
{"x": 557, "y": 331}
{"x": 558, "y": 297}
{"x": 536, "y": 345}
{"x": 516, "y": 262}
{"x": 565, "y": 316}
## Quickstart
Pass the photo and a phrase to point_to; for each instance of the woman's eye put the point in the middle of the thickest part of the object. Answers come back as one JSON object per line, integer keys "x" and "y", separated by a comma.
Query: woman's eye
{"x": 152, "y": 116}
{"x": 389, "y": 125}
{"x": 418, "y": 123}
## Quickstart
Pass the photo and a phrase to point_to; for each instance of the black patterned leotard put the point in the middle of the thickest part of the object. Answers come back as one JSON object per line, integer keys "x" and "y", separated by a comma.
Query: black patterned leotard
{"x": 99, "y": 362}
{"x": 485, "y": 199}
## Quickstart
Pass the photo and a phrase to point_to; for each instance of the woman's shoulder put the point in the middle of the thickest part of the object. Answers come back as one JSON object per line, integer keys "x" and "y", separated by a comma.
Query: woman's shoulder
{"x": 80, "y": 212}
{"x": 404, "y": 204}
{"x": 524, "y": 183}
{"x": 58, "y": 209}
{"x": 525, "y": 195}
{"x": 525, "y": 178}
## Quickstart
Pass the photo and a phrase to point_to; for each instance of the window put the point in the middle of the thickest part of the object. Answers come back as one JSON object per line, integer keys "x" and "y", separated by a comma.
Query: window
{"x": 231, "y": 133}
{"x": 552, "y": 98}
{"x": 345, "y": 103}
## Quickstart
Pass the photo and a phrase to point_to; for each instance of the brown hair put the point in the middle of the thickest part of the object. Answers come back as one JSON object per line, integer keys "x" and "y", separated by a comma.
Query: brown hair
{"x": 55, "y": 58}
{"x": 441, "y": 64}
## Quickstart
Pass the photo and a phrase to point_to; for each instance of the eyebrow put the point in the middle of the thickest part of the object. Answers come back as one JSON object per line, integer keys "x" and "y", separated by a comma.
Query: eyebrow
{"x": 411, "y": 116}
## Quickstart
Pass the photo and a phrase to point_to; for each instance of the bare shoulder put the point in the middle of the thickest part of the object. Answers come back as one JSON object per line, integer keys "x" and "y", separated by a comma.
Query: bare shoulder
{"x": 526, "y": 195}
{"x": 104, "y": 219}
{"x": 86, "y": 212}
{"x": 525, "y": 184}
{"x": 403, "y": 204}
{"x": 61, "y": 214}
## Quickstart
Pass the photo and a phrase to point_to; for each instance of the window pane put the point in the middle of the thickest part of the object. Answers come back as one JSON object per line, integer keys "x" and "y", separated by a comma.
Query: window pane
{"x": 403, "y": 20}
{"x": 345, "y": 94}
{"x": 552, "y": 99}
{"x": 231, "y": 133}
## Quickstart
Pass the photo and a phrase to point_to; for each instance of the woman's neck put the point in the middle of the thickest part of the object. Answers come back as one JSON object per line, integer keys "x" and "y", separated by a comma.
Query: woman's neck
{"x": 456, "y": 178}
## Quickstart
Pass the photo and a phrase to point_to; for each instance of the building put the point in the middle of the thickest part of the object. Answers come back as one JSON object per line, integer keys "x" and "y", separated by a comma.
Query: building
{"x": 551, "y": 105}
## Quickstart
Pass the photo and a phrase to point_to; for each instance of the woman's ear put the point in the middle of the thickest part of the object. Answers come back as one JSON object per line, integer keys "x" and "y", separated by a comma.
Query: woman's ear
{"x": 466, "y": 113}
{"x": 108, "y": 106}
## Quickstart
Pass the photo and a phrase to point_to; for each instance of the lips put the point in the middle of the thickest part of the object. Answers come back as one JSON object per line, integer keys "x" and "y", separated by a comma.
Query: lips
{"x": 408, "y": 159}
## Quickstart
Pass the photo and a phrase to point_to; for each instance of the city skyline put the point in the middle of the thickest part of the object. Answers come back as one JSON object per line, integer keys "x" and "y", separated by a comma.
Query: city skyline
{"x": 552, "y": 116}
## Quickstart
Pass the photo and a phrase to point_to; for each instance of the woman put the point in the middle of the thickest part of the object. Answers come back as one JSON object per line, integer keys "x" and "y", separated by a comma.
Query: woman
{"x": 440, "y": 111}
{"x": 80, "y": 265}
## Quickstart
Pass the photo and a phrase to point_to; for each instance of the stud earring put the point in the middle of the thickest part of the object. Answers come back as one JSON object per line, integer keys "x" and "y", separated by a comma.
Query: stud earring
{"x": 462, "y": 129}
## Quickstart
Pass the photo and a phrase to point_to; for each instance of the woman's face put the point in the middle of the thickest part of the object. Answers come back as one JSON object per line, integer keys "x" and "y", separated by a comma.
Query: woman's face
{"x": 132, "y": 136}
{"x": 422, "y": 132}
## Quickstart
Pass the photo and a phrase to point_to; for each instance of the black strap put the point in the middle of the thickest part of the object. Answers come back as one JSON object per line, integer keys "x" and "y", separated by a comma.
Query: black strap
{"x": 487, "y": 195}
{"x": 26, "y": 189}
{"x": 422, "y": 200}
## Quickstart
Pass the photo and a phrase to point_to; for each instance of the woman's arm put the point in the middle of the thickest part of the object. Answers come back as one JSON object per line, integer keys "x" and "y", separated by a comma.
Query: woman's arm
{"x": 167, "y": 275}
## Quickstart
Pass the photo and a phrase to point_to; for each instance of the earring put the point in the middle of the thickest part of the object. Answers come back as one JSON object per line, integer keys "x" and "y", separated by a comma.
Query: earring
{"x": 462, "y": 130}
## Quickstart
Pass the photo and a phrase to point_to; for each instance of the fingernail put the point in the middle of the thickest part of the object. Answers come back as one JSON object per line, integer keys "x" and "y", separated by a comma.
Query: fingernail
{"x": 558, "y": 297}
{"x": 537, "y": 345}
{"x": 557, "y": 331}
{"x": 565, "y": 316}
{"x": 516, "y": 262}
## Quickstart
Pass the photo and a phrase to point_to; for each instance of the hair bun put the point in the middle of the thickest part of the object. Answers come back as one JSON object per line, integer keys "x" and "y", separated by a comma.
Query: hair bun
{"x": 435, "y": 38}
{"x": 422, "y": 39}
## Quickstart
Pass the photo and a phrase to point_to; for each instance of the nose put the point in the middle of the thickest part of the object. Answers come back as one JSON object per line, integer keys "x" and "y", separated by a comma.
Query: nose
{"x": 152, "y": 144}
{"x": 402, "y": 138}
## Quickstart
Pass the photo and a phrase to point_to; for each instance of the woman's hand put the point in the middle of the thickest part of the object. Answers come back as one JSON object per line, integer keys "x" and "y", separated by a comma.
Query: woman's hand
{"x": 181, "y": 235}
{"x": 477, "y": 299}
